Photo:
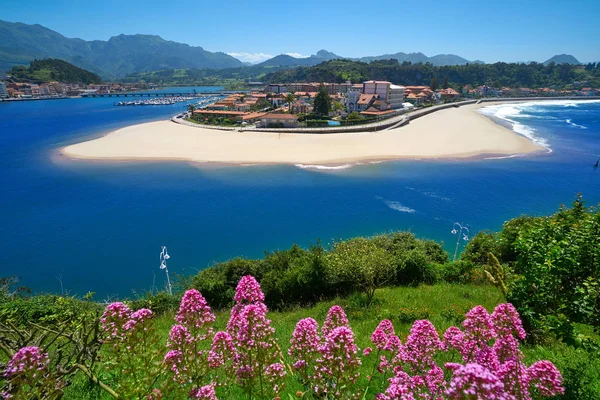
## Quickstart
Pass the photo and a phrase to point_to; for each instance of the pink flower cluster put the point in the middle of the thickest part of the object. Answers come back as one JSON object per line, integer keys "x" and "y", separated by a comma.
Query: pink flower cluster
{"x": 119, "y": 322}
{"x": 31, "y": 361}
{"x": 326, "y": 365}
{"x": 204, "y": 393}
{"x": 194, "y": 312}
{"x": 492, "y": 366}
{"x": 184, "y": 358}
{"x": 254, "y": 342}
{"x": 113, "y": 320}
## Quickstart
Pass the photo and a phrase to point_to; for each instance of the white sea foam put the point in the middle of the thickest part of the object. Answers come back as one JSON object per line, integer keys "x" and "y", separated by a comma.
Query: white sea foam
{"x": 325, "y": 167}
{"x": 503, "y": 157}
{"x": 507, "y": 112}
{"x": 396, "y": 205}
{"x": 573, "y": 124}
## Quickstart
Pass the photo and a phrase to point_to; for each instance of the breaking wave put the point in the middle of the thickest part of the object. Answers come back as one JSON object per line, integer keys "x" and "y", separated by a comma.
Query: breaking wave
{"x": 573, "y": 124}
{"x": 325, "y": 167}
{"x": 507, "y": 112}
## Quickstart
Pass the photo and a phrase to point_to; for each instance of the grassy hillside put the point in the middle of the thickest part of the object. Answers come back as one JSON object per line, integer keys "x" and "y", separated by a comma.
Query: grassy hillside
{"x": 53, "y": 70}
{"x": 443, "y": 304}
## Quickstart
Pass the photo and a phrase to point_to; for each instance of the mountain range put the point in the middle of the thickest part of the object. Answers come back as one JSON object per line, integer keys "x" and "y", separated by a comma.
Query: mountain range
{"x": 284, "y": 60}
{"x": 126, "y": 54}
{"x": 116, "y": 57}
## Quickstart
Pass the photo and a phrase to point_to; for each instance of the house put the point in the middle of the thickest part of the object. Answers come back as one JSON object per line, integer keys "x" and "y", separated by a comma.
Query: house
{"x": 232, "y": 115}
{"x": 365, "y": 101}
{"x": 273, "y": 120}
{"x": 240, "y": 107}
{"x": 420, "y": 94}
{"x": 300, "y": 107}
{"x": 387, "y": 92}
{"x": 252, "y": 117}
{"x": 448, "y": 94}
{"x": 373, "y": 112}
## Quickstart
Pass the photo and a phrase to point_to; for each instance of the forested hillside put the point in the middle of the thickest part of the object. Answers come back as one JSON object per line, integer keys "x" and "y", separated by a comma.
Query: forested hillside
{"x": 52, "y": 69}
{"x": 500, "y": 74}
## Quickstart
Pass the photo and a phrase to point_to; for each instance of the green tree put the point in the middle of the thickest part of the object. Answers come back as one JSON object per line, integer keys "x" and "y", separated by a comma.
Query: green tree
{"x": 290, "y": 98}
{"x": 445, "y": 84}
{"x": 434, "y": 83}
{"x": 362, "y": 264}
{"x": 354, "y": 116}
{"x": 322, "y": 102}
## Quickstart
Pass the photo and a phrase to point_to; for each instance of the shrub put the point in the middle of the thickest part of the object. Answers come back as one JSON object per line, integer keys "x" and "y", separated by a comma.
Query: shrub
{"x": 462, "y": 272}
{"x": 160, "y": 302}
{"x": 361, "y": 264}
{"x": 479, "y": 247}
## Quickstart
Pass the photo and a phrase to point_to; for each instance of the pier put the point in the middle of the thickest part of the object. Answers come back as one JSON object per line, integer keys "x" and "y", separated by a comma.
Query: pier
{"x": 158, "y": 94}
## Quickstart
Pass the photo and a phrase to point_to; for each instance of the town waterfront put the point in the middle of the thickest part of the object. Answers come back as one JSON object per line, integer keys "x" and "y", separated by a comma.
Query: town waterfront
{"x": 78, "y": 226}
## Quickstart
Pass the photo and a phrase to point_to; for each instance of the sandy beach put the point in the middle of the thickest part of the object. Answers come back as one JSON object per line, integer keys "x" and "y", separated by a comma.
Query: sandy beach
{"x": 451, "y": 133}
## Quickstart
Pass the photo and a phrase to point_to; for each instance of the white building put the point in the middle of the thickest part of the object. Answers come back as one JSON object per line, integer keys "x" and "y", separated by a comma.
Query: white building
{"x": 3, "y": 92}
{"x": 393, "y": 95}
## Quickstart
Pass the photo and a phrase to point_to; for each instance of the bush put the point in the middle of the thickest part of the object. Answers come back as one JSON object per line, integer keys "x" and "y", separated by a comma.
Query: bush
{"x": 160, "y": 302}
{"x": 462, "y": 272}
{"x": 46, "y": 309}
{"x": 479, "y": 247}
{"x": 303, "y": 276}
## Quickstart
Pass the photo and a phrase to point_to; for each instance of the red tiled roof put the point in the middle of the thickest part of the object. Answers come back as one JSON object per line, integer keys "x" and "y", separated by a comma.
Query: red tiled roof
{"x": 279, "y": 116}
{"x": 220, "y": 112}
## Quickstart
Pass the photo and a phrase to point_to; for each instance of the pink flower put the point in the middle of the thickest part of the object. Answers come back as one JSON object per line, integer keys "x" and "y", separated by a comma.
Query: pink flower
{"x": 507, "y": 321}
{"x": 114, "y": 318}
{"x": 222, "y": 350}
{"x": 367, "y": 351}
{"x": 336, "y": 317}
{"x": 516, "y": 379}
{"x": 546, "y": 378}
{"x": 204, "y": 393}
{"x": 474, "y": 381}
{"x": 194, "y": 311}
{"x": 138, "y": 318}
{"x": 401, "y": 387}
{"x": 381, "y": 334}
{"x": 478, "y": 325}
{"x": 29, "y": 359}
{"x": 275, "y": 374}
{"x": 173, "y": 360}
{"x": 338, "y": 362}
{"x": 454, "y": 338}
{"x": 304, "y": 345}
{"x": 421, "y": 346}
{"x": 248, "y": 291}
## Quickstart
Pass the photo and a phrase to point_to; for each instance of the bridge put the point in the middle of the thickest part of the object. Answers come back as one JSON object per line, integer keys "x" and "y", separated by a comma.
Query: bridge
{"x": 157, "y": 94}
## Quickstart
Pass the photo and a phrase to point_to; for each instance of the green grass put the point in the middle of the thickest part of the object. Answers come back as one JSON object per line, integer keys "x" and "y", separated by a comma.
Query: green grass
{"x": 443, "y": 304}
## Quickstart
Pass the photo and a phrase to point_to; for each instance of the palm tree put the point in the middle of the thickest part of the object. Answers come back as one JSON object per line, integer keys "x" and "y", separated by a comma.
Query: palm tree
{"x": 191, "y": 109}
{"x": 290, "y": 98}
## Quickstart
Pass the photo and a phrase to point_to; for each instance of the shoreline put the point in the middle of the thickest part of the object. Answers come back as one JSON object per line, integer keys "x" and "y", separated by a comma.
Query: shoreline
{"x": 461, "y": 133}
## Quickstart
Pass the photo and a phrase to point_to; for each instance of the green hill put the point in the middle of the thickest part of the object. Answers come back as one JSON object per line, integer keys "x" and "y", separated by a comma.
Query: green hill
{"x": 52, "y": 69}
{"x": 116, "y": 57}
{"x": 562, "y": 59}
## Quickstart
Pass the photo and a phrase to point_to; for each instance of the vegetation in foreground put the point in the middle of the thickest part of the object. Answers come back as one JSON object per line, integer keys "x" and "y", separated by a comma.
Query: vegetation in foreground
{"x": 546, "y": 266}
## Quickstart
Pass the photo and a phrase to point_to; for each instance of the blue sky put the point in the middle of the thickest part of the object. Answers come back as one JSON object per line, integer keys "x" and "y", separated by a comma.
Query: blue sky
{"x": 489, "y": 30}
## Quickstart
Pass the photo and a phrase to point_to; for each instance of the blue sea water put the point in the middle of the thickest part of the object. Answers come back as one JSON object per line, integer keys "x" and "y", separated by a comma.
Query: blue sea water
{"x": 98, "y": 226}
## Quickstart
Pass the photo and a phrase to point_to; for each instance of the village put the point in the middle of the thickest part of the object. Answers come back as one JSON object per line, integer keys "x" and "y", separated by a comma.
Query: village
{"x": 291, "y": 105}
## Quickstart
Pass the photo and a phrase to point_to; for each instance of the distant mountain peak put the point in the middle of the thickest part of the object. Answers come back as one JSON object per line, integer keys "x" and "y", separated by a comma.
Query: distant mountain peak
{"x": 562, "y": 59}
